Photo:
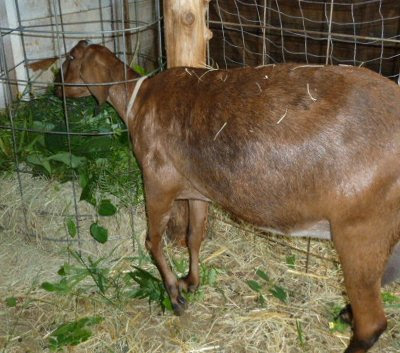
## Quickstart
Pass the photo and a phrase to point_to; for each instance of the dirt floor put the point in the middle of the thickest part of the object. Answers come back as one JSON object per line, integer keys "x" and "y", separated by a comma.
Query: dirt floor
{"x": 230, "y": 313}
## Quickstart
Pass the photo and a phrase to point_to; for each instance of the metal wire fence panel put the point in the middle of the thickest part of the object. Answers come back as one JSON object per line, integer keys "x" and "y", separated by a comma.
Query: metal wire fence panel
{"x": 35, "y": 127}
{"x": 322, "y": 32}
{"x": 42, "y": 137}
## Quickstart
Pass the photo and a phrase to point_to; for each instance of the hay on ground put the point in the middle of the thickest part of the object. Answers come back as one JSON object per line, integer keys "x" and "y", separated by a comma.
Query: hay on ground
{"x": 226, "y": 317}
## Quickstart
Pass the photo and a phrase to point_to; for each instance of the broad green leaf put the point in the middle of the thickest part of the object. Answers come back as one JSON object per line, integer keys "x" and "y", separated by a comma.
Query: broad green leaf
{"x": 11, "y": 302}
{"x": 72, "y": 338}
{"x": 262, "y": 275}
{"x": 73, "y": 333}
{"x": 39, "y": 125}
{"x": 71, "y": 226}
{"x": 50, "y": 287}
{"x": 87, "y": 193}
{"x": 99, "y": 233}
{"x": 254, "y": 285}
{"x": 279, "y": 293}
{"x": 106, "y": 208}
{"x": 68, "y": 159}
{"x": 39, "y": 160}
{"x": 63, "y": 270}
{"x": 60, "y": 287}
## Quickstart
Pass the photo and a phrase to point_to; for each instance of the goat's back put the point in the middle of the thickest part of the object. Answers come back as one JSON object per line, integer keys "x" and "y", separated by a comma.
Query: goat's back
{"x": 283, "y": 143}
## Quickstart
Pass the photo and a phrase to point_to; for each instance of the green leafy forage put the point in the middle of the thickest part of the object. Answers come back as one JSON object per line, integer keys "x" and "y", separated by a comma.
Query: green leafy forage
{"x": 73, "y": 333}
{"x": 99, "y": 233}
{"x": 93, "y": 149}
{"x": 106, "y": 208}
{"x": 71, "y": 226}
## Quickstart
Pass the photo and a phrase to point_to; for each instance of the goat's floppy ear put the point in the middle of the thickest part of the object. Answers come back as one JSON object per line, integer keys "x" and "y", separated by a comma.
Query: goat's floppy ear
{"x": 78, "y": 50}
{"x": 92, "y": 73}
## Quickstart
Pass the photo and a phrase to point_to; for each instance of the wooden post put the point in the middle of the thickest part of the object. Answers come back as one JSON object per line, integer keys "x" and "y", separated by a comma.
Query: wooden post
{"x": 186, "y": 36}
{"x": 186, "y": 33}
{"x": 128, "y": 35}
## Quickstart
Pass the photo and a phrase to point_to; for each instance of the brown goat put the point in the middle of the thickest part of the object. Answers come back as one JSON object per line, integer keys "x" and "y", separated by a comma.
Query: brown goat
{"x": 301, "y": 150}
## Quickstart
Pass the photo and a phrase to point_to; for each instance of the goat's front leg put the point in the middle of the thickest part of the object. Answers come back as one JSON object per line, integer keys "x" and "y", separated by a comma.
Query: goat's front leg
{"x": 198, "y": 211}
{"x": 158, "y": 206}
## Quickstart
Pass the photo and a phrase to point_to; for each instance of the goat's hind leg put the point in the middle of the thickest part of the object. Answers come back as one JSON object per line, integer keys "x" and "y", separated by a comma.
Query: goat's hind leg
{"x": 198, "y": 211}
{"x": 392, "y": 273}
{"x": 363, "y": 249}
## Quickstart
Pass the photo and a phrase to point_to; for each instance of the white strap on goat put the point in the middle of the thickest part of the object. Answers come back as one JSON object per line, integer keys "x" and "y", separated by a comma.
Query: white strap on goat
{"x": 134, "y": 95}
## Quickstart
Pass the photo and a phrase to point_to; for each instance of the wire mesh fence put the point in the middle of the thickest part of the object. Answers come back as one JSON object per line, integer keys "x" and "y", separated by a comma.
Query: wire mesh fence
{"x": 55, "y": 153}
{"x": 81, "y": 145}
{"x": 257, "y": 32}
{"x": 344, "y": 32}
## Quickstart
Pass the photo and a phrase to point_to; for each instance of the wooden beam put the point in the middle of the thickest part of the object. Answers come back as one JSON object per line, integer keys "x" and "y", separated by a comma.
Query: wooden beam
{"x": 186, "y": 37}
{"x": 186, "y": 33}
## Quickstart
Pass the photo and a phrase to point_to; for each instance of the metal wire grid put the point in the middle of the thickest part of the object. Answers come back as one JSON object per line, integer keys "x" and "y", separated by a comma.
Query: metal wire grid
{"x": 57, "y": 30}
{"x": 346, "y": 32}
{"x": 257, "y": 31}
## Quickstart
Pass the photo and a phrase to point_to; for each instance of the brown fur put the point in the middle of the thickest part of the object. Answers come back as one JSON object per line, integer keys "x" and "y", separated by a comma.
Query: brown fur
{"x": 43, "y": 64}
{"x": 282, "y": 147}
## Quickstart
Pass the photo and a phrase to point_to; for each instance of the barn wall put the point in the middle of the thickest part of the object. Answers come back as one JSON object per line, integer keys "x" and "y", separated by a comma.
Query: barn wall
{"x": 77, "y": 16}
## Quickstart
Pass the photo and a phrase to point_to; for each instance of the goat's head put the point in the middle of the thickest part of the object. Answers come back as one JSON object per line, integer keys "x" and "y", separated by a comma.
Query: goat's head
{"x": 88, "y": 64}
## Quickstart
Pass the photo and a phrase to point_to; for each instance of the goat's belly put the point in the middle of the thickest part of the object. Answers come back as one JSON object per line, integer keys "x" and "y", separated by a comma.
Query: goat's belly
{"x": 318, "y": 230}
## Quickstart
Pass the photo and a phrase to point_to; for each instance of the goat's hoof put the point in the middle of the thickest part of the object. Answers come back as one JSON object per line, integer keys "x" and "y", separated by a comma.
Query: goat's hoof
{"x": 186, "y": 285}
{"x": 180, "y": 306}
{"x": 346, "y": 314}
{"x": 358, "y": 346}
{"x": 182, "y": 301}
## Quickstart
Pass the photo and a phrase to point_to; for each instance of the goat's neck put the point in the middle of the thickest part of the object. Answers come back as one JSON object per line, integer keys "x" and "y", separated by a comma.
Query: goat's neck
{"x": 120, "y": 94}
{"x": 119, "y": 97}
